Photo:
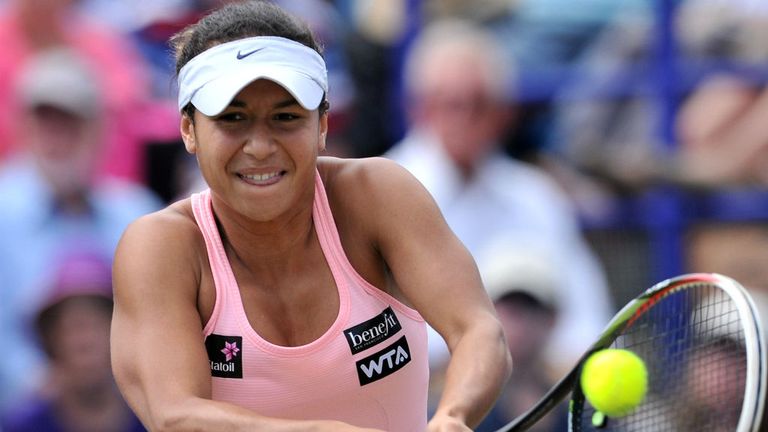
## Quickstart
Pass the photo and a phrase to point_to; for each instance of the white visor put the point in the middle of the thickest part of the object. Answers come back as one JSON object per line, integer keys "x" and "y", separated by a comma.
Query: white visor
{"x": 212, "y": 79}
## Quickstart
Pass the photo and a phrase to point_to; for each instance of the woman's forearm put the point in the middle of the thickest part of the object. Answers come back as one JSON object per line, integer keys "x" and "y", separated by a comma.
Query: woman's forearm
{"x": 480, "y": 366}
{"x": 198, "y": 414}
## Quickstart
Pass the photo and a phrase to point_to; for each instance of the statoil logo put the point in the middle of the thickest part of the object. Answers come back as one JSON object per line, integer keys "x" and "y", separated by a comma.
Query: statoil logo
{"x": 225, "y": 355}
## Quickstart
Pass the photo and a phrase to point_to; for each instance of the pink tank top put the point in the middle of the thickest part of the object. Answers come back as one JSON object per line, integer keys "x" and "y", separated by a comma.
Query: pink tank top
{"x": 368, "y": 369}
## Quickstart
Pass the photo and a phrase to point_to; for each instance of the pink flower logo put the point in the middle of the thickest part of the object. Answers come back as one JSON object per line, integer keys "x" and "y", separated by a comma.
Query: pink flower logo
{"x": 230, "y": 350}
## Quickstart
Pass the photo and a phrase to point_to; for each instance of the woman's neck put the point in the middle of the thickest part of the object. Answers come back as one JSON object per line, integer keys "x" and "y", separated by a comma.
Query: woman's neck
{"x": 272, "y": 247}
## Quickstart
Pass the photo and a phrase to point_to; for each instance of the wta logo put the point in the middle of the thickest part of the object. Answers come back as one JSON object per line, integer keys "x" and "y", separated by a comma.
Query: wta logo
{"x": 383, "y": 363}
{"x": 225, "y": 355}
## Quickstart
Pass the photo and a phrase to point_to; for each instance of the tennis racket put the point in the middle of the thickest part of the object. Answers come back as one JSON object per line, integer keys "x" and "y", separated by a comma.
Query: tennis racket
{"x": 701, "y": 340}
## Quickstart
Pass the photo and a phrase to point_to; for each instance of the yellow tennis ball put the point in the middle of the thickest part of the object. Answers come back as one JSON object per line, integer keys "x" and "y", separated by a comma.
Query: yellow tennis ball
{"x": 614, "y": 381}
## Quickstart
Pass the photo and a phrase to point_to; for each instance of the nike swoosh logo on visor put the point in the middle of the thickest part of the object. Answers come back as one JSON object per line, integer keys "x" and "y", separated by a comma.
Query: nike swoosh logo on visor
{"x": 241, "y": 56}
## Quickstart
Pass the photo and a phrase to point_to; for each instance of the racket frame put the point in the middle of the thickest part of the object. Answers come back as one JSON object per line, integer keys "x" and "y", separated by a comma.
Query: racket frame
{"x": 755, "y": 389}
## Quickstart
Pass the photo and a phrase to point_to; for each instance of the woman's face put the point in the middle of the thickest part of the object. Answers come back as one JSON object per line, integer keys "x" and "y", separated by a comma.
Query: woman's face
{"x": 259, "y": 154}
{"x": 65, "y": 146}
{"x": 461, "y": 105}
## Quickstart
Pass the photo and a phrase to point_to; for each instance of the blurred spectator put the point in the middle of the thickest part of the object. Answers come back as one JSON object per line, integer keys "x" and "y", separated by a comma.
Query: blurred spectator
{"x": 28, "y": 27}
{"x": 523, "y": 285}
{"x": 722, "y": 133}
{"x": 543, "y": 36}
{"x": 606, "y": 127}
{"x": 459, "y": 91}
{"x": 52, "y": 199}
{"x": 72, "y": 326}
{"x": 609, "y": 119}
{"x": 714, "y": 378}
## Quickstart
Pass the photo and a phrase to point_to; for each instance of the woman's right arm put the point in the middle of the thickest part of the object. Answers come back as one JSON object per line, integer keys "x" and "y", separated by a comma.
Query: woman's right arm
{"x": 158, "y": 354}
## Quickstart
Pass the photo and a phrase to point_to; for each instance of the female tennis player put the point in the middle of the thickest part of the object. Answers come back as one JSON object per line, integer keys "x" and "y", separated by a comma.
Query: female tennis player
{"x": 292, "y": 294}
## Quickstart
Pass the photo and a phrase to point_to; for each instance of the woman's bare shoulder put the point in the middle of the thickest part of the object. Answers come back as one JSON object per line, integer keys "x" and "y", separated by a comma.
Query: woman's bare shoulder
{"x": 165, "y": 235}
{"x": 372, "y": 192}
{"x": 164, "y": 248}
{"x": 364, "y": 176}
{"x": 175, "y": 220}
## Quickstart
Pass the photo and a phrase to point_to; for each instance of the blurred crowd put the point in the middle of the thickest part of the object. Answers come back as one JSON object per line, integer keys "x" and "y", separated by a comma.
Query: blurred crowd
{"x": 529, "y": 121}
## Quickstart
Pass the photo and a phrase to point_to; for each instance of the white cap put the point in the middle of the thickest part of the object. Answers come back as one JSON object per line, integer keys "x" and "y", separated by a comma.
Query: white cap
{"x": 511, "y": 270}
{"x": 60, "y": 78}
{"x": 212, "y": 79}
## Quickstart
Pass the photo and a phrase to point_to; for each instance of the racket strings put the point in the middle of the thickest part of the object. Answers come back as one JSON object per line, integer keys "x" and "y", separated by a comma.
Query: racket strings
{"x": 692, "y": 342}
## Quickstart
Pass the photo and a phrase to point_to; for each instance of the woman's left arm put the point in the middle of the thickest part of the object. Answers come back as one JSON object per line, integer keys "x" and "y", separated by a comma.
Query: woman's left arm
{"x": 438, "y": 276}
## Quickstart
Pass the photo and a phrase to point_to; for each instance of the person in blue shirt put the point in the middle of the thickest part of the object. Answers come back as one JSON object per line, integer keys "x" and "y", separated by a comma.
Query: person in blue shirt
{"x": 51, "y": 196}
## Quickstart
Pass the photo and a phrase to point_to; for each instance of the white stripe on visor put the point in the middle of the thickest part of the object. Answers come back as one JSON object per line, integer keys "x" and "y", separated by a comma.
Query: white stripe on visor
{"x": 212, "y": 78}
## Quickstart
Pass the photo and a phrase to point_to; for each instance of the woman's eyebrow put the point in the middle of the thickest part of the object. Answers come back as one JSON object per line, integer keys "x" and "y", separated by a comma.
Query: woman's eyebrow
{"x": 237, "y": 103}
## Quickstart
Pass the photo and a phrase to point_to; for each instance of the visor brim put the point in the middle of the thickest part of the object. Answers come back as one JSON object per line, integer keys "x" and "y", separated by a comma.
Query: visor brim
{"x": 212, "y": 98}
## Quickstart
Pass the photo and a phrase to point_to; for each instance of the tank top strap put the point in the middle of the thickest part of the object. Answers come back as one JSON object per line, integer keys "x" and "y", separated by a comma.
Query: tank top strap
{"x": 223, "y": 277}
{"x": 327, "y": 232}
{"x": 337, "y": 258}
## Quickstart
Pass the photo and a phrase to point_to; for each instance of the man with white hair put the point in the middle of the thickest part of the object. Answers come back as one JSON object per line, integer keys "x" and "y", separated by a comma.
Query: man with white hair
{"x": 460, "y": 95}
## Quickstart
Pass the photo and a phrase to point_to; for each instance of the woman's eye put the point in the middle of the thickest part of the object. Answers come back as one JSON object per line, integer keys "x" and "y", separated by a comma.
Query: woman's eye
{"x": 286, "y": 116}
{"x": 230, "y": 117}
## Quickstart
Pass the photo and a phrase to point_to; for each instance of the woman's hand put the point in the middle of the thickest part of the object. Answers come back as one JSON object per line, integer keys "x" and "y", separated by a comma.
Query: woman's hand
{"x": 444, "y": 423}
